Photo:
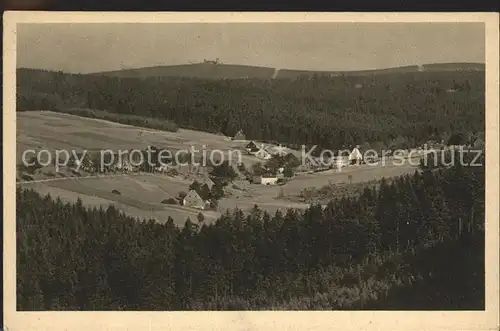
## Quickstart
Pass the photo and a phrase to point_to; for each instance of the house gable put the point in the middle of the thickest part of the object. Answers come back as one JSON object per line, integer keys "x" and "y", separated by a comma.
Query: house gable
{"x": 193, "y": 200}
{"x": 240, "y": 135}
{"x": 251, "y": 145}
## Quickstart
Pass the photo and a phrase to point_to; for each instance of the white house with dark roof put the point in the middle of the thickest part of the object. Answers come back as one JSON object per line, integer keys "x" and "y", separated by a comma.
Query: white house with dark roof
{"x": 266, "y": 180}
{"x": 193, "y": 200}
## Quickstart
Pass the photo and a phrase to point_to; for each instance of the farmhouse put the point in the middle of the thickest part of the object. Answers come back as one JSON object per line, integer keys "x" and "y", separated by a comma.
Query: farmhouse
{"x": 339, "y": 162}
{"x": 355, "y": 157}
{"x": 124, "y": 166}
{"x": 240, "y": 135}
{"x": 262, "y": 154}
{"x": 86, "y": 163}
{"x": 251, "y": 146}
{"x": 193, "y": 200}
{"x": 162, "y": 169}
{"x": 267, "y": 180}
{"x": 271, "y": 150}
{"x": 207, "y": 181}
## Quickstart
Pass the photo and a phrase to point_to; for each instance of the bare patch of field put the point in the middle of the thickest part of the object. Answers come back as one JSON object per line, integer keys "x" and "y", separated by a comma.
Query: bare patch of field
{"x": 348, "y": 175}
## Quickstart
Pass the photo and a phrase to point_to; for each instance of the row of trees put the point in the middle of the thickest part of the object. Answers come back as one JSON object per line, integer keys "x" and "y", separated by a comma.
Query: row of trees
{"x": 344, "y": 255}
{"x": 387, "y": 111}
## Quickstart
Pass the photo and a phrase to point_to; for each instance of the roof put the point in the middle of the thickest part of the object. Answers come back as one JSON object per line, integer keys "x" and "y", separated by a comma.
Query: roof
{"x": 262, "y": 153}
{"x": 239, "y": 135}
{"x": 193, "y": 197}
{"x": 355, "y": 154}
{"x": 268, "y": 176}
{"x": 251, "y": 144}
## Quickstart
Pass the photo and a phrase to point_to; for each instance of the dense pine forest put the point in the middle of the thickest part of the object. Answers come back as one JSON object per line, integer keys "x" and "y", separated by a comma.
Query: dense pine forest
{"x": 396, "y": 110}
{"x": 416, "y": 242}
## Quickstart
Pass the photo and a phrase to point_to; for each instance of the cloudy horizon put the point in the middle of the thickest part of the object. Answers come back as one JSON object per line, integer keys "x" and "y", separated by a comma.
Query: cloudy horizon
{"x": 95, "y": 47}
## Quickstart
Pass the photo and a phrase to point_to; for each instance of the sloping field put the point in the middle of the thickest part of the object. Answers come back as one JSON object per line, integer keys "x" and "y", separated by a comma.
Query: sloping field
{"x": 133, "y": 204}
{"x": 49, "y": 130}
{"x": 140, "y": 196}
{"x": 360, "y": 174}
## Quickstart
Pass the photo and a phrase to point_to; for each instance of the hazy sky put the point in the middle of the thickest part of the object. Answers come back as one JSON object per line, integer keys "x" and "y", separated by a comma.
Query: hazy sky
{"x": 87, "y": 47}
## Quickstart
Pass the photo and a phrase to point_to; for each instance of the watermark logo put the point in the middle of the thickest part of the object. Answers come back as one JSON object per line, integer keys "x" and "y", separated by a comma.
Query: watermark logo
{"x": 154, "y": 158}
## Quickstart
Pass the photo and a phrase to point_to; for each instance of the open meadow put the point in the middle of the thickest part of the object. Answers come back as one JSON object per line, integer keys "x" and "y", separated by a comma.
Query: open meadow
{"x": 50, "y": 130}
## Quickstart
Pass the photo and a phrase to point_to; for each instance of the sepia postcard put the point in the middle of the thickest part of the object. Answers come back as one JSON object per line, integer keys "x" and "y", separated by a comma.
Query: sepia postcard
{"x": 251, "y": 171}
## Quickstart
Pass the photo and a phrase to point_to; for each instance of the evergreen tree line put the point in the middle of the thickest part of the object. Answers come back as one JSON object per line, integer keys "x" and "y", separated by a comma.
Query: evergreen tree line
{"x": 387, "y": 110}
{"x": 348, "y": 255}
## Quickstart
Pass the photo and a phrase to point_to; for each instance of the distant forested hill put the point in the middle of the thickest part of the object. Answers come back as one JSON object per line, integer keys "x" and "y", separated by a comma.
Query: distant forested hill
{"x": 199, "y": 70}
{"x": 393, "y": 110}
{"x": 232, "y": 71}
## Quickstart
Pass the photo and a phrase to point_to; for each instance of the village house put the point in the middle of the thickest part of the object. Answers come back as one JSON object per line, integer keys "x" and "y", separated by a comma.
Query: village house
{"x": 355, "y": 157}
{"x": 251, "y": 148}
{"x": 85, "y": 164}
{"x": 339, "y": 162}
{"x": 478, "y": 143}
{"x": 162, "y": 169}
{"x": 193, "y": 200}
{"x": 262, "y": 154}
{"x": 267, "y": 180}
{"x": 240, "y": 135}
{"x": 123, "y": 165}
{"x": 207, "y": 181}
{"x": 251, "y": 145}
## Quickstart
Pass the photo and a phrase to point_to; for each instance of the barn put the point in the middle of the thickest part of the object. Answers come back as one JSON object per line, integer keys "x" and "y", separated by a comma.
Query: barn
{"x": 208, "y": 181}
{"x": 262, "y": 154}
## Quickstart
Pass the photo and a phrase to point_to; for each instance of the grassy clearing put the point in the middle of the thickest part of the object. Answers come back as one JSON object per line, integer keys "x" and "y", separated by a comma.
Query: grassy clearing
{"x": 147, "y": 122}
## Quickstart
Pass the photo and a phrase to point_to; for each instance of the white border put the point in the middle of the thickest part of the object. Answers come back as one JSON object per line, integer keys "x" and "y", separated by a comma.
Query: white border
{"x": 343, "y": 320}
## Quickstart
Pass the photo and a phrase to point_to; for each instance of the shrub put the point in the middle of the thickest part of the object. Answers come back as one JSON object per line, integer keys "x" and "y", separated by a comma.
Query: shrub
{"x": 281, "y": 181}
{"x": 214, "y": 204}
{"x": 172, "y": 172}
{"x": 116, "y": 192}
{"x": 26, "y": 177}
